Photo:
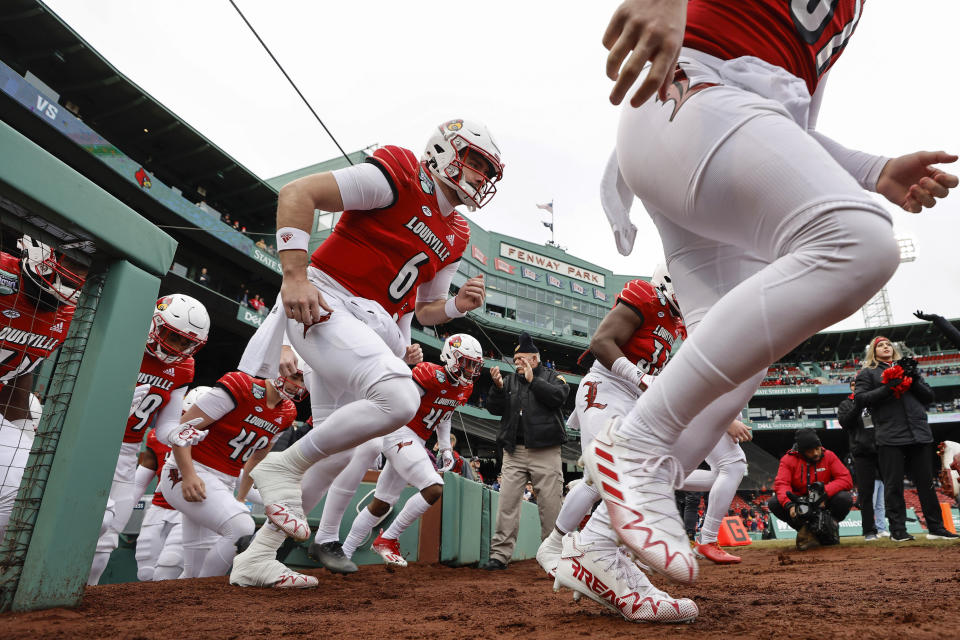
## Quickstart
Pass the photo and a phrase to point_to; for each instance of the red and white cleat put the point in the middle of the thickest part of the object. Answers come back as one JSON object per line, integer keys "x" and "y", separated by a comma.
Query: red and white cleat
{"x": 389, "y": 550}
{"x": 712, "y": 552}
{"x": 293, "y": 523}
{"x": 607, "y": 576}
{"x": 247, "y": 572}
{"x": 638, "y": 490}
{"x": 279, "y": 486}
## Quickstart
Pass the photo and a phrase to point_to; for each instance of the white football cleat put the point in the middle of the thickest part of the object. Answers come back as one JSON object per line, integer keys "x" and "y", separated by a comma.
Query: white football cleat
{"x": 279, "y": 486}
{"x": 271, "y": 573}
{"x": 638, "y": 490}
{"x": 607, "y": 576}
{"x": 548, "y": 555}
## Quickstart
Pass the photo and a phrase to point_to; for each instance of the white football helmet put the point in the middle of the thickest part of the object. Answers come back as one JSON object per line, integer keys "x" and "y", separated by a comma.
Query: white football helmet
{"x": 191, "y": 398}
{"x": 464, "y": 143}
{"x": 661, "y": 282}
{"x": 462, "y": 357}
{"x": 289, "y": 388}
{"x": 179, "y": 328}
{"x": 42, "y": 266}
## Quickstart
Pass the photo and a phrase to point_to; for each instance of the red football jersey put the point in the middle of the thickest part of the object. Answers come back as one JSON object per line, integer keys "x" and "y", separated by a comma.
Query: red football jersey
{"x": 649, "y": 347}
{"x": 385, "y": 255}
{"x": 250, "y": 426}
{"x": 802, "y": 36}
{"x": 162, "y": 378}
{"x": 160, "y": 450}
{"x": 441, "y": 399}
{"x": 27, "y": 335}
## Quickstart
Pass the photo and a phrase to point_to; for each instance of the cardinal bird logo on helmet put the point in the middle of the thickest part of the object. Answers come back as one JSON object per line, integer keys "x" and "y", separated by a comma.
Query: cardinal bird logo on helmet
{"x": 680, "y": 90}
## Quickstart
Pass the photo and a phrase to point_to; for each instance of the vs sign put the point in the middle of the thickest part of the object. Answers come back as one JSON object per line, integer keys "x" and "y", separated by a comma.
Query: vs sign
{"x": 47, "y": 108}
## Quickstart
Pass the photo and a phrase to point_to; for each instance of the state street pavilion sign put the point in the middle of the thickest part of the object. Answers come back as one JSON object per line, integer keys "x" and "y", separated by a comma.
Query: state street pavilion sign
{"x": 557, "y": 266}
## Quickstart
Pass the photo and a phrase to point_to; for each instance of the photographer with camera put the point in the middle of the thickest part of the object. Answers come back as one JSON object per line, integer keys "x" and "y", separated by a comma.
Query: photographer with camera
{"x": 892, "y": 389}
{"x": 812, "y": 491}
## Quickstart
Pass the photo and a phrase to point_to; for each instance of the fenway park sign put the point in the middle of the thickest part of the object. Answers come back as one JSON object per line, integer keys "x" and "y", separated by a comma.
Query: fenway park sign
{"x": 524, "y": 256}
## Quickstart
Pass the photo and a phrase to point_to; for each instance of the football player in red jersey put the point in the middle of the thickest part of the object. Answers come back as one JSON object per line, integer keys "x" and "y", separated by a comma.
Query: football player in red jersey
{"x": 179, "y": 328}
{"x": 160, "y": 541}
{"x": 394, "y": 250}
{"x": 443, "y": 388}
{"x": 756, "y": 210}
{"x": 229, "y": 429}
{"x": 38, "y": 291}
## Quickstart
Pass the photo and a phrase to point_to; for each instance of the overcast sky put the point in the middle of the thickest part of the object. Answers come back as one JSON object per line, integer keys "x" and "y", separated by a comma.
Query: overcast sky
{"x": 385, "y": 72}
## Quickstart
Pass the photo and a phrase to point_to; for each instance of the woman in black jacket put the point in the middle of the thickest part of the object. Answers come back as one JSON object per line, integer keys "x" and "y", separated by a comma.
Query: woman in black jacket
{"x": 897, "y": 401}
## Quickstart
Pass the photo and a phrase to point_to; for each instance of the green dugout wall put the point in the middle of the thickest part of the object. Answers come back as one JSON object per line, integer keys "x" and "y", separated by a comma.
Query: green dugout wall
{"x": 71, "y": 465}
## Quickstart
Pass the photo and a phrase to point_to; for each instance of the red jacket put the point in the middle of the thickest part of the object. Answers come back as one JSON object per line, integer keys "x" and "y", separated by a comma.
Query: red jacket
{"x": 796, "y": 473}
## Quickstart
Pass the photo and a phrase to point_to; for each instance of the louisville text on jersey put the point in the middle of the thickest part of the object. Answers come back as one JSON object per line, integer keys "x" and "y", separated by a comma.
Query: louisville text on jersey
{"x": 664, "y": 333}
{"x": 448, "y": 402}
{"x": 429, "y": 238}
{"x": 33, "y": 340}
{"x": 154, "y": 381}
{"x": 266, "y": 425}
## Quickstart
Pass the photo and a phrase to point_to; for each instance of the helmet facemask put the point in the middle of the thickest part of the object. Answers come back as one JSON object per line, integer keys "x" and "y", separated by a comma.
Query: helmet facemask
{"x": 290, "y": 388}
{"x": 44, "y": 269}
{"x": 466, "y": 164}
{"x": 465, "y": 369}
{"x": 170, "y": 345}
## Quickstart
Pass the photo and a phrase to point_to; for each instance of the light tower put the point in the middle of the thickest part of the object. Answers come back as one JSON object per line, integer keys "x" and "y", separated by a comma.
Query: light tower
{"x": 877, "y": 311}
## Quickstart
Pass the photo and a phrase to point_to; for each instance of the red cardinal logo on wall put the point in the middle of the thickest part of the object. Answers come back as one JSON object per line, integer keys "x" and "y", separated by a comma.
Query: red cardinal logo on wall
{"x": 142, "y": 178}
{"x": 681, "y": 90}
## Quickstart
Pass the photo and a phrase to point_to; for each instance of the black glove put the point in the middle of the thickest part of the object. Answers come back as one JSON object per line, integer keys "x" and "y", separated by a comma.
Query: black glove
{"x": 910, "y": 367}
{"x": 929, "y": 317}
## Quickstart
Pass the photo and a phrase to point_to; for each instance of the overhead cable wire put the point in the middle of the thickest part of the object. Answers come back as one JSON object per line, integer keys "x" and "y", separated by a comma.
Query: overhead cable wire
{"x": 289, "y": 79}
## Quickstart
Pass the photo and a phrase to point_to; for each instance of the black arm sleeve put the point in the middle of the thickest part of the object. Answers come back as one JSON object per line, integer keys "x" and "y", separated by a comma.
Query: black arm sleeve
{"x": 866, "y": 395}
{"x": 550, "y": 393}
{"x": 948, "y": 330}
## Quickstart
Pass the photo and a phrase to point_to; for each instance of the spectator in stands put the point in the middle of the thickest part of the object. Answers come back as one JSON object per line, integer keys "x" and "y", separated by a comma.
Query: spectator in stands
{"x": 529, "y": 494}
{"x": 532, "y": 428}
{"x": 204, "y": 277}
{"x": 897, "y": 397}
{"x": 866, "y": 466}
{"x": 475, "y": 466}
{"x": 245, "y": 297}
{"x": 946, "y": 328}
{"x": 496, "y": 483}
{"x": 261, "y": 244}
{"x": 258, "y": 305}
{"x": 226, "y": 219}
{"x": 806, "y": 463}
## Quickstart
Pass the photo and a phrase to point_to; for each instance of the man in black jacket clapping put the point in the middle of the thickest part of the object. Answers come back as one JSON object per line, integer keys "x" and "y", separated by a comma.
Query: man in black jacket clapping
{"x": 897, "y": 397}
{"x": 532, "y": 429}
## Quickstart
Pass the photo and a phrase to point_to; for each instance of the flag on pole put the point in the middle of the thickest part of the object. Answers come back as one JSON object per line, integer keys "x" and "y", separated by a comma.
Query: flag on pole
{"x": 548, "y": 225}
{"x": 546, "y": 207}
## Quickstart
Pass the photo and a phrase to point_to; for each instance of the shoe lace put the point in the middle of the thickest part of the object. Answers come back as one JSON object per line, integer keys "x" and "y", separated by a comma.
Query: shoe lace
{"x": 659, "y": 500}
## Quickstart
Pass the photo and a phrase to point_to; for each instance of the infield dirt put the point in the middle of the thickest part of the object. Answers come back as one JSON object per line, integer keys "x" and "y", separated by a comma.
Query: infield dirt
{"x": 866, "y": 590}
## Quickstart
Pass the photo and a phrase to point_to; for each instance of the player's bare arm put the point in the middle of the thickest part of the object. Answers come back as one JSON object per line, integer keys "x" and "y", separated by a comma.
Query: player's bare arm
{"x": 194, "y": 420}
{"x": 246, "y": 482}
{"x": 912, "y": 182}
{"x": 15, "y": 398}
{"x": 642, "y": 31}
{"x": 470, "y": 297}
{"x": 148, "y": 459}
{"x": 616, "y": 328}
{"x": 296, "y": 203}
